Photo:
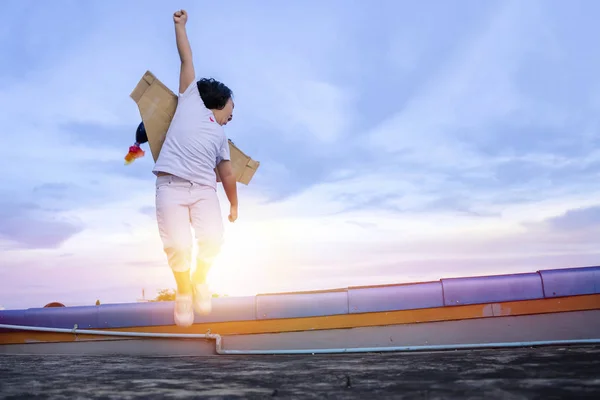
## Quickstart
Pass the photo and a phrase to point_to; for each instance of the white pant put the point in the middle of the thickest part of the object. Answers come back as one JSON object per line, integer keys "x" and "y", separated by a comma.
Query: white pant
{"x": 180, "y": 203}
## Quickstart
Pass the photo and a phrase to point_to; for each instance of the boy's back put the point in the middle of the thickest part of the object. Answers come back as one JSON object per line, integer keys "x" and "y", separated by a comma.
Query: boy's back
{"x": 195, "y": 143}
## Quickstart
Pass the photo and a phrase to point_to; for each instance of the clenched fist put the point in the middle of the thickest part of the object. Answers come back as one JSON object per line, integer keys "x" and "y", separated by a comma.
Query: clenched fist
{"x": 233, "y": 213}
{"x": 180, "y": 17}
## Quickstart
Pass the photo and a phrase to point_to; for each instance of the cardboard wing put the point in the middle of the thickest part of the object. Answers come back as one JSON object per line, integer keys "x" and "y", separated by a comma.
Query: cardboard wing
{"x": 157, "y": 104}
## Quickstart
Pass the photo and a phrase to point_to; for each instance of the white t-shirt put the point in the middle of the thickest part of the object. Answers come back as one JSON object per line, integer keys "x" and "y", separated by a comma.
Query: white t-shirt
{"x": 195, "y": 142}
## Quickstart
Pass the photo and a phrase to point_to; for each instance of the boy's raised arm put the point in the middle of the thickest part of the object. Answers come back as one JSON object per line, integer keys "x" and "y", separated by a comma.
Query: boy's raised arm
{"x": 187, "y": 74}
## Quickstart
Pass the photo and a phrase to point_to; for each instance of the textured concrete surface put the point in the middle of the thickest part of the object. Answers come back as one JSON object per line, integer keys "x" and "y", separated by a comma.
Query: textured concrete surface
{"x": 529, "y": 373}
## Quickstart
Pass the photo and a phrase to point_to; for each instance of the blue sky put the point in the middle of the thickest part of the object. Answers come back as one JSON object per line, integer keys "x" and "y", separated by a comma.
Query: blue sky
{"x": 398, "y": 142}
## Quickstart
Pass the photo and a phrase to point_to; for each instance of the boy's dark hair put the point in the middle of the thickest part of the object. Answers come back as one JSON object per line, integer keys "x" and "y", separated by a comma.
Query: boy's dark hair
{"x": 140, "y": 134}
{"x": 214, "y": 94}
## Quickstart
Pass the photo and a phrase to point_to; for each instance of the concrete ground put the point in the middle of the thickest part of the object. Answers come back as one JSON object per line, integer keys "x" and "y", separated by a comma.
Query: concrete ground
{"x": 529, "y": 373}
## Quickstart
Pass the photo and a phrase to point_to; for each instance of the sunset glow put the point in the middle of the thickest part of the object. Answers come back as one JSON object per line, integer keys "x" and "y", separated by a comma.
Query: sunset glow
{"x": 391, "y": 150}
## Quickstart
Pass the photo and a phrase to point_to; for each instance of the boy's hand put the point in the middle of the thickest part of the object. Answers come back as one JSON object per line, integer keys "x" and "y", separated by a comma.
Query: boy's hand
{"x": 180, "y": 17}
{"x": 233, "y": 213}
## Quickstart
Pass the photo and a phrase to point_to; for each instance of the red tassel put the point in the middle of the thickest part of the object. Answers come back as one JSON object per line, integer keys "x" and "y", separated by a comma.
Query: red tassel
{"x": 135, "y": 152}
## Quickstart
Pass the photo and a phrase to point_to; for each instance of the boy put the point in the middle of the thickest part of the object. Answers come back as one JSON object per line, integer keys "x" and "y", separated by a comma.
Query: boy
{"x": 186, "y": 183}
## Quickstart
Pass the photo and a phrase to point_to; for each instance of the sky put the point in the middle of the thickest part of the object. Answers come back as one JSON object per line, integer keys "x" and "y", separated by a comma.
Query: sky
{"x": 399, "y": 142}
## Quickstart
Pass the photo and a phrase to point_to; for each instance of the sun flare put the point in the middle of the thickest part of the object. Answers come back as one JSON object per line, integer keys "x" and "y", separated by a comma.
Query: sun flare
{"x": 240, "y": 267}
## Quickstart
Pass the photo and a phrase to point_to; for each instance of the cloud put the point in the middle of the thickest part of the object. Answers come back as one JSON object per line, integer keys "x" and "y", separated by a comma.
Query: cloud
{"x": 573, "y": 230}
{"x": 577, "y": 220}
{"x": 446, "y": 129}
{"x": 54, "y": 190}
{"x": 26, "y": 225}
{"x": 472, "y": 96}
{"x": 148, "y": 210}
{"x": 80, "y": 281}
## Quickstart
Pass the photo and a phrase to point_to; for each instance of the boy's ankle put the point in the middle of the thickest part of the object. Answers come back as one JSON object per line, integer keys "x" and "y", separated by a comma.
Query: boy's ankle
{"x": 198, "y": 279}
{"x": 200, "y": 273}
{"x": 184, "y": 285}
